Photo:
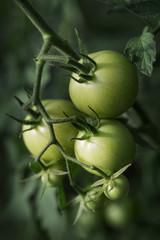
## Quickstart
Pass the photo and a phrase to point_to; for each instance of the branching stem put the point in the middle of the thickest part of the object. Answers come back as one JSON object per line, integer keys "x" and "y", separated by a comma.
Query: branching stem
{"x": 45, "y": 30}
{"x": 65, "y": 60}
{"x": 50, "y": 38}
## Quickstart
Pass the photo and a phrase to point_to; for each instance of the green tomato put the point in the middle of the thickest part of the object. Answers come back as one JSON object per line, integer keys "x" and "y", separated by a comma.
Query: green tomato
{"x": 111, "y": 91}
{"x": 120, "y": 214}
{"x": 111, "y": 148}
{"x": 93, "y": 201}
{"x": 37, "y": 138}
{"x": 117, "y": 188}
{"x": 52, "y": 179}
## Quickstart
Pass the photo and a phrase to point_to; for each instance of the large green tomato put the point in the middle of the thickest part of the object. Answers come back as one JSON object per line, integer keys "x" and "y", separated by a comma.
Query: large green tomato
{"x": 111, "y": 148}
{"x": 37, "y": 138}
{"x": 111, "y": 91}
{"x": 118, "y": 188}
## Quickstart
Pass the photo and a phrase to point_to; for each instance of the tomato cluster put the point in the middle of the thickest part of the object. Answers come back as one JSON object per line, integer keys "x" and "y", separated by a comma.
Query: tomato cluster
{"x": 109, "y": 146}
{"x": 111, "y": 91}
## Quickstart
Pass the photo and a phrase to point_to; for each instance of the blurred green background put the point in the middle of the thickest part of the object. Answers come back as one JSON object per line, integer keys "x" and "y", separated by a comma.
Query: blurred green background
{"x": 23, "y": 214}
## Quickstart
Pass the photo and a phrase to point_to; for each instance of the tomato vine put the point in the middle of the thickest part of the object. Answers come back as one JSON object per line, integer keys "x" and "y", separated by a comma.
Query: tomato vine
{"x": 84, "y": 68}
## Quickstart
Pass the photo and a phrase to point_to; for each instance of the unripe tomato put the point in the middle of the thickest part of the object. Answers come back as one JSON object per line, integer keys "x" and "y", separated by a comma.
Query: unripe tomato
{"x": 111, "y": 91}
{"x": 93, "y": 201}
{"x": 111, "y": 148}
{"x": 118, "y": 188}
{"x": 120, "y": 214}
{"x": 37, "y": 138}
{"x": 52, "y": 179}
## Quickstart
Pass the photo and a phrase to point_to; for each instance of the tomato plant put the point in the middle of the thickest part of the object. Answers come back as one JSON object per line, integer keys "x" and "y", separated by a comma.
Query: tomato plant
{"x": 37, "y": 138}
{"x": 112, "y": 89}
{"x": 103, "y": 84}
{"x": 117, "y": 188}
{"x": 110, "y": 148}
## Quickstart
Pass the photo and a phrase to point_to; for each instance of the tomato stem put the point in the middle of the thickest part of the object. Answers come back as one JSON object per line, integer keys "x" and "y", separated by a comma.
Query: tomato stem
{"x": 51, "y": 38}
{"x": 72, "y": 183}
{"x": 65, "y": 60}
{"x": 45, "y": 30}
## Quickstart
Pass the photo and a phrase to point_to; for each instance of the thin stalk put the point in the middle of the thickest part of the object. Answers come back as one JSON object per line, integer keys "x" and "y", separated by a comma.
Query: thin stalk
{"x": 68, "y": 157}
{"x": 65, "y": 60}
{"x": 38, "y": 75}
{"x": 45, "y": 30}
{"x": 37, "y": 82}
{"x": 62, "y": 120}
{"x": 72, "y": 183}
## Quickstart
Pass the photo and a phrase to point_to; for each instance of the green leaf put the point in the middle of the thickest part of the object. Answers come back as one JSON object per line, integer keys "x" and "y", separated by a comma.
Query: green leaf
{"x": 142, "y": 51}
{"x": 145, "y": 8}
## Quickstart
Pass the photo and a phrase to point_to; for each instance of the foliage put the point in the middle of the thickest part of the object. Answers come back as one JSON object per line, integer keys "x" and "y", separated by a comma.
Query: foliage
{"x": 142, "y": 51}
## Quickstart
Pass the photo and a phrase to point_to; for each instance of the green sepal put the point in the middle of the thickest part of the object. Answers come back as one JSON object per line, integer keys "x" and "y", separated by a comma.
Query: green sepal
{"x": 65, "y": 67}
{"x": 28, "y": 92}
{"x": 33, "y": 113}
{"x": 110, "y": 185}
{"x": 91, "y": 121}
{"x": 44, "y": 185}
{"x": 69, "y": 68}
{"x": 80, "y": 43}
{"x": 119, "y": 172}
{"x": 59, "y": 172}
{"x": 86, "y": 76}
{"x": 98, "y": 183}
{"x": 84, "y": 137}
{"x": 19, "y": 100}
{"x": 79, "y": 212}
{"x": 80, "y": 124}
{"x": 89, "y": 61}
{"x": 25, "y": 122}
{"x": 80, "y": 80}
{"x": 35, "y": 167}
{"x": 32, "y": 178}
{"x": 94, "y": 121}
{"x": 99, "y": 190}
